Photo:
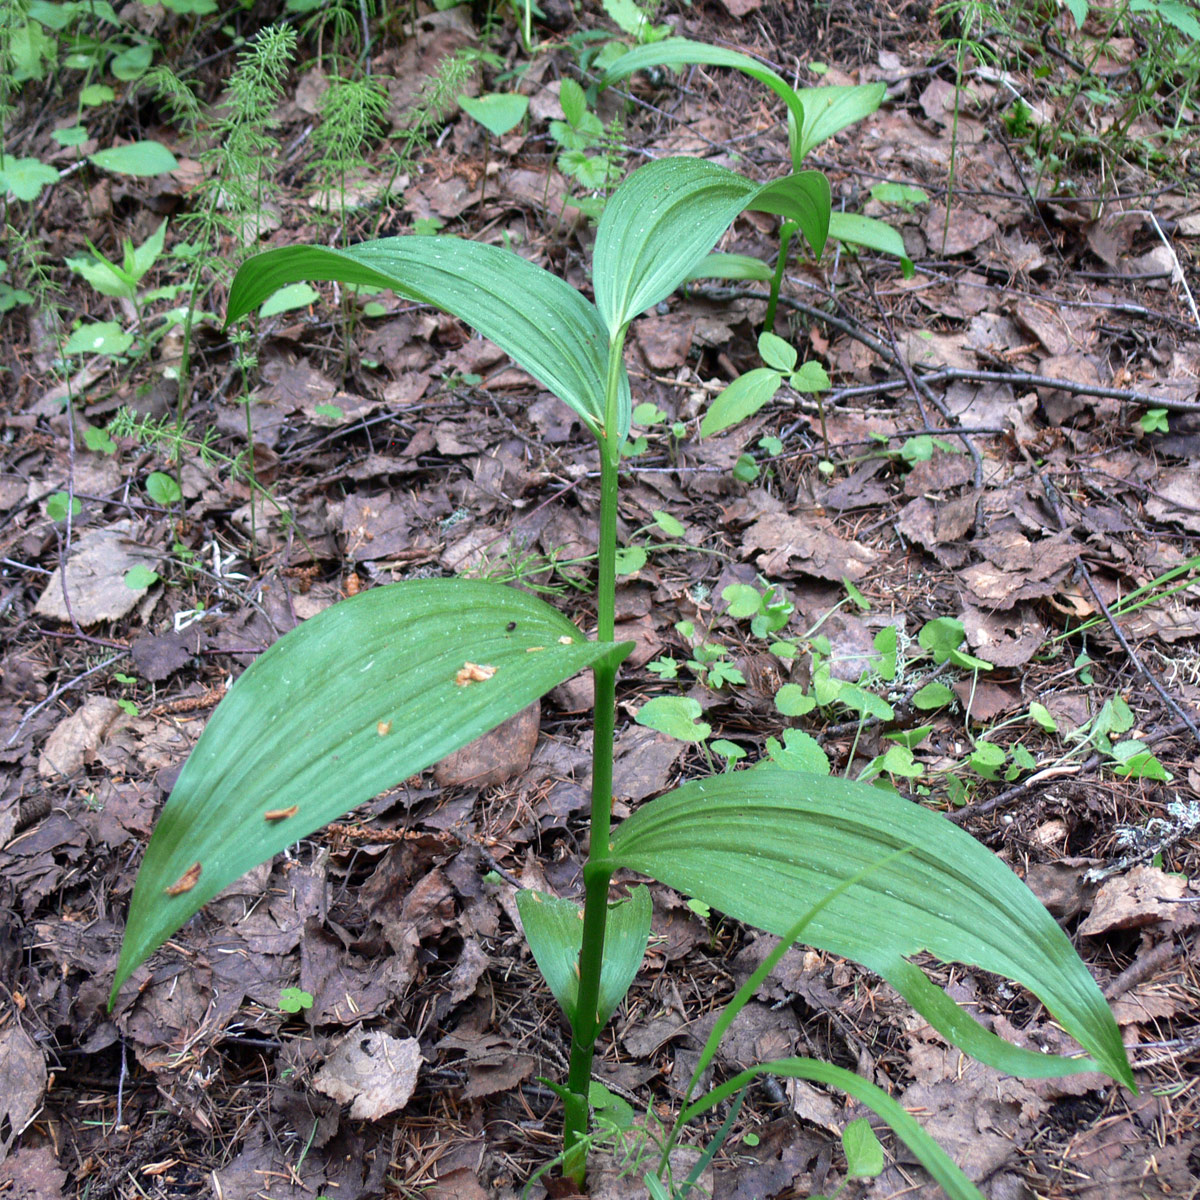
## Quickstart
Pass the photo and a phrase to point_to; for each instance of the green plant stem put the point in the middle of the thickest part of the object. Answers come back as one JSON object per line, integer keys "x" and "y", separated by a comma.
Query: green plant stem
{"x": 785, "y": 242}
{"x": 597, "y": 871}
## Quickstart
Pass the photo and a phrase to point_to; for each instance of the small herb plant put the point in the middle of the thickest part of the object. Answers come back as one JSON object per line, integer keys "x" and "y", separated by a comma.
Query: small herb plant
{"x": 383, "y": 685}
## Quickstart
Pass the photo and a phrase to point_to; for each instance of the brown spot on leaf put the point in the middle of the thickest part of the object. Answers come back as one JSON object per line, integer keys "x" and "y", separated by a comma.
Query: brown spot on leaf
{"x": 186, "y": 881}
{"x": 383, "y": 728}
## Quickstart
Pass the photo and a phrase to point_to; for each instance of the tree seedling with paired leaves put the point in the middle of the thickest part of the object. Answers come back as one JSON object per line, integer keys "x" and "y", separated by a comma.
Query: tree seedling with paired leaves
{"x": 383, "y": 685}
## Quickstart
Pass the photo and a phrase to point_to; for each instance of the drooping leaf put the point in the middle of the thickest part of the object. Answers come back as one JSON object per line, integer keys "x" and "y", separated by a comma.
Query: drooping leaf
{"x": 760, "y": 845}
{"x": 680, "y": 52}
{"x": 554, "y": 930}
{"x": 656, "y": 227}
{"x": 537, "y": 319}
{"x": 870, "y": 234}
{"x": 350, "y": 703}
{"x": 731, "y": 266}
{"x": 928, "y": 1153}
{"x": 803, "y": 198}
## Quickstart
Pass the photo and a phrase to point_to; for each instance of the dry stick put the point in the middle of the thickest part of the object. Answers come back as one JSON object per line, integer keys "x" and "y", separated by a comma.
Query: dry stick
{"x": 949, "y": 374}
{"x": 58, "y": 691}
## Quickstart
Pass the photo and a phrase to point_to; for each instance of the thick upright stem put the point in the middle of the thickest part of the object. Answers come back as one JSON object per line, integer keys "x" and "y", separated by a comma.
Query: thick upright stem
{"x": 596, "y": 871}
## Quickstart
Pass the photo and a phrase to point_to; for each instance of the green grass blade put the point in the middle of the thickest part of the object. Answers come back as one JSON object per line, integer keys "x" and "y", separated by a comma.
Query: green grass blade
{"x": 763, "y": 845}
{"x": 537, "y": 319}
{"x": 348, "y": 704}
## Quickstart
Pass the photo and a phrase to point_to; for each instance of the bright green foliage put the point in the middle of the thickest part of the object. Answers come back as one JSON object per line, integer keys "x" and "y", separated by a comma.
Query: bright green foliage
{"x": 554, "y": 929}
{"x": 418, "y": 669}
{"x": 497, "y": 112}
{"x": 111, "y": 279}
{"x": 99, "y": 337}
{"x": 24, "y": 178}
{"x": 294, "y": 1000}
{"x": 749, "y": 392}
{"x": 757, "y": 845}
{"x": 676, "y": 716}
{"x": 383, "y": 685}
{"x": 544, "y": 324}
{"x": 138, "y": 158}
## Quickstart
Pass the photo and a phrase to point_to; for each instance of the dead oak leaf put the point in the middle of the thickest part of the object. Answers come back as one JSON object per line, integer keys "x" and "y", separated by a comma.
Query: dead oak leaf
{"x": 809, "y": 544}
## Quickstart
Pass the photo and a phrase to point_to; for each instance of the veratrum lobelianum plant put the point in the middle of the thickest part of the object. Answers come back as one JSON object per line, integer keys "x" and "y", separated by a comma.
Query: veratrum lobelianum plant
{"x": 381, "y": 686}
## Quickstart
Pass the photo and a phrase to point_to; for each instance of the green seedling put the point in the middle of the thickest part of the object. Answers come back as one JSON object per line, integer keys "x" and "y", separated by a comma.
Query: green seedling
{"x": 590, "y": 152}
{"x": 383, "y": 685}
{"x": 123, "y": 280}
{"x": 814, "y": 116}
{"x": 294, "y": 1000}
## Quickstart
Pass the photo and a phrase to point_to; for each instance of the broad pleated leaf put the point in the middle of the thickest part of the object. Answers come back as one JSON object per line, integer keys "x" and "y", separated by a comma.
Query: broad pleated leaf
{"x": 554, "y": 930}
{"x": 827, "y": 111}
{"x": 348, "y": 704}
{"x": 537, "y": 319}
{"x": 803, "y": 198}
{"x": 762, "y": 846}
{"x": 665, "y": 218}
{"x": 928, "y": 1153}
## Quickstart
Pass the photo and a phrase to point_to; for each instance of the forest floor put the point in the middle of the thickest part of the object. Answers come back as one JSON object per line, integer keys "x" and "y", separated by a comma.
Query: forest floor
{"x": 1010, "y": 441}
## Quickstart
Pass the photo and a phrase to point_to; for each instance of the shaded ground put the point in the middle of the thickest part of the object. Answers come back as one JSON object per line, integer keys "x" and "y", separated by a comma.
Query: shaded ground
{"x": 1026, "y": 347}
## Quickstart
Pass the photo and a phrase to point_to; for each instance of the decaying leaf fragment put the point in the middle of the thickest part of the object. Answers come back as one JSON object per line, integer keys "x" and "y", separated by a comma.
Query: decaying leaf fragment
{"x": 471, "y": 672}
{"x": 186, "y": 881}
{"x": 281, "y": 814}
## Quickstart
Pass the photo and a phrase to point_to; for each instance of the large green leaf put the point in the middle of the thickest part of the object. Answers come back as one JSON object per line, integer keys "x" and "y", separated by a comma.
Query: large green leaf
{"x": 763, "y": 845}
{"x": 664, "y": 219}
{"x": 827, "y": 111}
{"x": 537, "y": 319}
{"x": 554, "y": 930}
{"x": 346, "y": 705}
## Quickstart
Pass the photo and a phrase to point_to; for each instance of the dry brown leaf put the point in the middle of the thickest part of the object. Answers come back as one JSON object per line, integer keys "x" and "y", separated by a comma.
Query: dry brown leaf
{"x": 1141, "y": 897}
{"x": 966, "y": 230}
{"x": 22, "y": 1084}
{"x": 76, "y": 738}
{"x": 498, "y": 756}
{"x": 96, "y": 577}
{"x": 373, "y": 1072}
{"x": 808, "y": 544}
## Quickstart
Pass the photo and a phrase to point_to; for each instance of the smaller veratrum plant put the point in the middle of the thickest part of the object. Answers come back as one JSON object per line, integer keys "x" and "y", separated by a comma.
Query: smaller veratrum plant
{"x": 383, "y": 685}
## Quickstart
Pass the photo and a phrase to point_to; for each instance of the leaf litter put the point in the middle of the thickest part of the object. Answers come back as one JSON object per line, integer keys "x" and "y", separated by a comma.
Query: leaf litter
{"x": 401, "y": 923}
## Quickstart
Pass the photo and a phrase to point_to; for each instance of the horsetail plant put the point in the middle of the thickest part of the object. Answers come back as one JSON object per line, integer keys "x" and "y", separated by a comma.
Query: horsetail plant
{"x": 381, "y": 686}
